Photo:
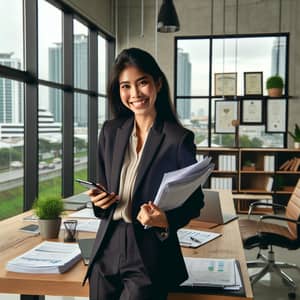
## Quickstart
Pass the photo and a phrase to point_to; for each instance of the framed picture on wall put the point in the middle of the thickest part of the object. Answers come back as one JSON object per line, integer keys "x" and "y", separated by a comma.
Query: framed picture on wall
{"x": 226, "y": 112}
{"x": 225, "y": 84}
{"x": 252, "y": 111}
{"x": 253, "y": 83}
{"x": 276, "y": 115}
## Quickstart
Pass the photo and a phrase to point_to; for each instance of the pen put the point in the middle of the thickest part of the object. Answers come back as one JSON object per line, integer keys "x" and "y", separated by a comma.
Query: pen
{"x": 195, "y": 240}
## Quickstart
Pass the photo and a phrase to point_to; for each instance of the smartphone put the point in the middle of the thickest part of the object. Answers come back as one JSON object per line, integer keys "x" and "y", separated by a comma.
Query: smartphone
{"x": 31, "y": 228}
{"x": 91, "y": 185}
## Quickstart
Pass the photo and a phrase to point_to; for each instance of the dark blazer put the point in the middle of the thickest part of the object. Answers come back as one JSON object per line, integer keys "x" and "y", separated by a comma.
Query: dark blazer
{"x": 168, "y": 147}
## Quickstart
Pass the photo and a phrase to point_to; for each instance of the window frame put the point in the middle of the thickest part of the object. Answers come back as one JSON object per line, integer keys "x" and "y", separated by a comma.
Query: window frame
{"x": 210, "y": 95}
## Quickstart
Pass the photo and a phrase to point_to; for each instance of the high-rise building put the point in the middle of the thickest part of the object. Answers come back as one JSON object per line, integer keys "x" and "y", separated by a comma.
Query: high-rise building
{"x": 184, "y": 72}
{"x": 278, "y": 57}
{"x": 11, "y": 105}
{"x": 80, "y": 79}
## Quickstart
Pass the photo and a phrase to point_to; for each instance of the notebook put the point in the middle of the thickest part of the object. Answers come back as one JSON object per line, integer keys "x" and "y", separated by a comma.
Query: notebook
{"x": 212, "y": 211}
{"x": 86, "y": 246}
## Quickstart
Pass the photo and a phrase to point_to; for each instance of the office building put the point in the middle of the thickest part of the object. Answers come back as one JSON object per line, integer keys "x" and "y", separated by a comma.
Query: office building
{"x": 11, "y": 106}
{"x": 184, "y": 70}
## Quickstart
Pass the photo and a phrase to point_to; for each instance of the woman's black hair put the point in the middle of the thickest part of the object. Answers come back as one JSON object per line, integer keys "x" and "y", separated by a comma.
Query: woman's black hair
{"x": 147, "y": 64}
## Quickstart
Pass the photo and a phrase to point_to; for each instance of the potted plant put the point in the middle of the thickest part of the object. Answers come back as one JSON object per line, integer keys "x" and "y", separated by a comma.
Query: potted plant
{"x": 296, "y": 136}
{"x": 248, "y": 166}
{"x": 49, "y": 209}
{"x": 274, "y": 86}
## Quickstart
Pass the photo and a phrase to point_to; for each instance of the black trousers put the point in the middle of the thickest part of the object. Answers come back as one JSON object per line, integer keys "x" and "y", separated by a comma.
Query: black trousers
{"x": 119, "y": 272}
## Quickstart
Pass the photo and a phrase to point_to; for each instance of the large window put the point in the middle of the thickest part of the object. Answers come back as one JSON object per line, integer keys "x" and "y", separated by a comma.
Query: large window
{"x": 52, "y": 100}
{"x": 202, "y": 61}
{"x": 11, "y": 33}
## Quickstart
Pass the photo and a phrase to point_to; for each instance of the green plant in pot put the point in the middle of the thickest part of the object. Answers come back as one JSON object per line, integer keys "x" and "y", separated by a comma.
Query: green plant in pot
{"x": 248, "y": 165}
{"x": 296, "y": 136}
{"x": 49, "y": 209}
{"x": 274, "y": 86}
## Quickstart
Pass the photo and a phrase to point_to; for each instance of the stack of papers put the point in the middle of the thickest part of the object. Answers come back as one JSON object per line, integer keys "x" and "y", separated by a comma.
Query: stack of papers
{"x": 195, "y": 238}
{"x": 47, "y": 257}
{"x": 178, "y": 185}
{"x": 213, "y": 272}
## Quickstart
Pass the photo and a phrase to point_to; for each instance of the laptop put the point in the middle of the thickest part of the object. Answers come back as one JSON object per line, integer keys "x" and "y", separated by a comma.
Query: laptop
{"x": 212, "y": 212}
{"x": 86, "y": 246}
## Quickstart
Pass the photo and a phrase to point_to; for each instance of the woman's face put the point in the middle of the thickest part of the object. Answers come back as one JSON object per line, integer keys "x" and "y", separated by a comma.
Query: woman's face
{"x": 138, "y": 91}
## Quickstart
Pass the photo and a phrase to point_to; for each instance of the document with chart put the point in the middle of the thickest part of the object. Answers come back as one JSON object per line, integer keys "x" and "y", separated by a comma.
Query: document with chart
{"x": 178, "y": 185}
{"x": 212, "y": 272}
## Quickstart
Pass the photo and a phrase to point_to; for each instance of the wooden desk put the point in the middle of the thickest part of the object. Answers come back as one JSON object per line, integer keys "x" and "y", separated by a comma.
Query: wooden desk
{"x": 14, "y": 242}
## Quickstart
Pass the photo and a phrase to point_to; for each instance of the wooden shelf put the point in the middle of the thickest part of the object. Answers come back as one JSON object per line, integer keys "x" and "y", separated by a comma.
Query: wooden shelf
{"x": 266, "y": 179}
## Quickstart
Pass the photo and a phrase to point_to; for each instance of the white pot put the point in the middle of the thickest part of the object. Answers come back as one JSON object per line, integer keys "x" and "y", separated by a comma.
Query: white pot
{"x": 296, "y": 145}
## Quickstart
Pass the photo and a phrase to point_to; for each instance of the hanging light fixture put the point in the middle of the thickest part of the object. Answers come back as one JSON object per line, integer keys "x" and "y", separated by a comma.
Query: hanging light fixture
{"x": 167, "y": 20}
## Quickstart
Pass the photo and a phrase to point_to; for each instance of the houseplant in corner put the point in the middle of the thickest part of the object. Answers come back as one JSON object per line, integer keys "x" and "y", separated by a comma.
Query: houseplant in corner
{"x": 274, "y": 86}
{"x": 296, "y": 136}
{"x": 49, "y": 209}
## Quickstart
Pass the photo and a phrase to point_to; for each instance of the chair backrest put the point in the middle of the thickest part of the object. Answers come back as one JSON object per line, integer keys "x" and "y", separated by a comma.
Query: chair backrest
{"x": 293, "y": 211}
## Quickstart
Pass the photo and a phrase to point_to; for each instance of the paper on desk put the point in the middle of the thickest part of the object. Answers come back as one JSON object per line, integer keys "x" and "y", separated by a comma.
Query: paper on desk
{"x": 194, "y": 238}
{"x": 86, "y": 213}
{"x": 90, "y": 225}
{"x": 47, "y": 257}
{"x": 178, "y": 185}
{"x": 211, "y": 272}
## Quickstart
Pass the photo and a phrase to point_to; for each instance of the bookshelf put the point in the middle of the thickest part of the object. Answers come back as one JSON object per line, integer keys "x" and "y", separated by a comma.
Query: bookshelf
{"x": 254, "y": 173}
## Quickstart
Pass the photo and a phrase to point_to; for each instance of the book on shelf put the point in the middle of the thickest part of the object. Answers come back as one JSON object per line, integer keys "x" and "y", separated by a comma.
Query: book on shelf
{"x": 269, "y": 184}
{"x": 46, "y": 258}
{"x": 227, "y": 163}
{"x": 213, "y": 272}
{"x": 223, "y": 183}
{"x": 290, "y": 165}
{"x": 269, "y": 163}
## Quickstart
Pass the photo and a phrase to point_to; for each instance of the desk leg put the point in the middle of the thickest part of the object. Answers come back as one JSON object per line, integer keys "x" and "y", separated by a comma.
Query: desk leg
{"x": 32, "y": 297}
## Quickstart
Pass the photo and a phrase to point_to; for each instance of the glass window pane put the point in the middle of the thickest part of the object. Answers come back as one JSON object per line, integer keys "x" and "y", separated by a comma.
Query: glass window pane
{"x": 11, "y": 34}
{"x": 102, "y": 65}
{"x": 256, "y": 136}
{"x": 102, "y": 111}
{"x": 50, "y": 41}
{"x": 80, "y": 139}
{"x": 50, "y": 141}
{"x": 11, "y": 147}
{"x": 257, "y": 54}
{"x": 193, "y": 67}
{"x": 80, "y": 42}
{"x": 197, "y": 120}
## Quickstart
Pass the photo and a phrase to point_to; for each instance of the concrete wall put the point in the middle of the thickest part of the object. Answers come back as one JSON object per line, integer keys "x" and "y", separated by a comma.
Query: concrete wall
{"x": 254, "y": 16}
{"x": 99, "y": 12}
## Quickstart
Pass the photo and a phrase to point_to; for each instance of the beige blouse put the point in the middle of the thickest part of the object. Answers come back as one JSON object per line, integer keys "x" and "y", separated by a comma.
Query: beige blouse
{"x": 128, "y": 177}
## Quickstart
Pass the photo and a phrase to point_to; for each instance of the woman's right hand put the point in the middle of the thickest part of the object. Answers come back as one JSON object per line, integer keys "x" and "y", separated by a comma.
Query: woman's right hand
{"x": 102, "y": 199}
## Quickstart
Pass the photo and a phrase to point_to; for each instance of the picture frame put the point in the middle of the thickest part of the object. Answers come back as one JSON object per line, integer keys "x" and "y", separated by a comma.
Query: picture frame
{"x": 252, "y": 111}
{"x": 225, "y": 84}
{"x": 276, "y": 115}
{"x": 253, "y": 83}
{"x": 226, "y": 111}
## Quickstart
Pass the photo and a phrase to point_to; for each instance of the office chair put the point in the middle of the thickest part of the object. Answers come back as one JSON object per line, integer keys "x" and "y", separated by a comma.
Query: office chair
{"x": 265, "y": 235}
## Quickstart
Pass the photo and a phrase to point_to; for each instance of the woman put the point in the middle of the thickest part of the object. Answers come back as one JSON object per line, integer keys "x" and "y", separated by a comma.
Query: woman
{"x": 136, "y": 148}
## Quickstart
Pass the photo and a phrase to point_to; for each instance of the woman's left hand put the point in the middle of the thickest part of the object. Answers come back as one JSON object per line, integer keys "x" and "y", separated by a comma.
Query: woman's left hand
{"x": 152, "y": 215}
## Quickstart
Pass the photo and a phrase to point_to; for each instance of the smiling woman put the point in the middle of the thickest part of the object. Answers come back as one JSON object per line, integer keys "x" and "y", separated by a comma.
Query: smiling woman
{"x": 143, "y": 141}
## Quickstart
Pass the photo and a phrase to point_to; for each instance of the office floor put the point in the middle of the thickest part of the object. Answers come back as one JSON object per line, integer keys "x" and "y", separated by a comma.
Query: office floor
{"x": 268, "y": 288}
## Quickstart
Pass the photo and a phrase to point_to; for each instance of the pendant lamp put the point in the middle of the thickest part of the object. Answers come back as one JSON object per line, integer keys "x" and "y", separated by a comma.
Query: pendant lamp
{"x": 167, "y": 20}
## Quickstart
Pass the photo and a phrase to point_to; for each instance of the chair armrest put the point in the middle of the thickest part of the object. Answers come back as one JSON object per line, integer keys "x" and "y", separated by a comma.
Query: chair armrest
{"x": 257, "y": 203}
{"x": 278, "y": 218}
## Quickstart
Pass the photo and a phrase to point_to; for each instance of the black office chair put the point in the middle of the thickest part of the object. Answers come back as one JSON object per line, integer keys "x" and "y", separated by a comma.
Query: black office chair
{"x": 265, "y": 235}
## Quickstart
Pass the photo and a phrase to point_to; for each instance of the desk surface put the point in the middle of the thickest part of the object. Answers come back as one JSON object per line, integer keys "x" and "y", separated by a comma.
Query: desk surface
{"x": 14, "y": 242}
